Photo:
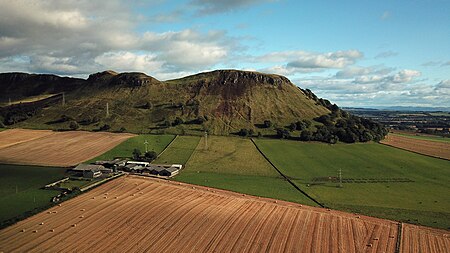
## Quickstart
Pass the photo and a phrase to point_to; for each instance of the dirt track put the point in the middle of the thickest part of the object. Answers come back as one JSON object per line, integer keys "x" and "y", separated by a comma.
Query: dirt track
{"x": 431, "y": 148}
{"x": 42, "y": 147}
{"x": 132, "y": 214}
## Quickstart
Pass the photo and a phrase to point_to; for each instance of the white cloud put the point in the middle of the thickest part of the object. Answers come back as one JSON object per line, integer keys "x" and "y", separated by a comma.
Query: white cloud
{"x": 75, "y": 37}
{"x": 306, "y": 62}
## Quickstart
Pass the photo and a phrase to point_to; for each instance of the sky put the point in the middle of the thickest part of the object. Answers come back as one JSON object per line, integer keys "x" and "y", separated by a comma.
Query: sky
{"x": 359, "y": 53}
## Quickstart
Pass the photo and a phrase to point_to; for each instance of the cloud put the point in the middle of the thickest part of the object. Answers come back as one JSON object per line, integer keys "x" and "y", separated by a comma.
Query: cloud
{"x": 445, "y": 64}
{"x": 386, "y": 54}
{"x": 385, "y": 15}
{"x": 307, "y": 62}
{"x": 378, "y": 85}
{"x": 79, "y": 37}
{"x": 208, "y": 7}
{"x": 354, "y": 71}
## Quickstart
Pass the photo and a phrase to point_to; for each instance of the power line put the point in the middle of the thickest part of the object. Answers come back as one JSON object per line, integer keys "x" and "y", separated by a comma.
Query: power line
{"x": 206, "y": 140}
{"x": 146, "y": 143}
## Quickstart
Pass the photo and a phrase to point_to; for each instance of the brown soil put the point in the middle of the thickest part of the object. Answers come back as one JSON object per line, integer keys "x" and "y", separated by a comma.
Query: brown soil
{"x": 16, "y": 136}
{"x": 134, "y": 214}
{"x": 431, "y": 148}
{"x": 422, "y": 239}
{"x": 41, "y": 147}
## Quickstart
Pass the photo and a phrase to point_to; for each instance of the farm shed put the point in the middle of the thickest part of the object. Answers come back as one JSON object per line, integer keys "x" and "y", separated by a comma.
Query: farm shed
{"x": 92, "y": 173}
{"x": 156, "y": 169}
{"x": 89, "y": 170}
{"x": 169, "y": 172}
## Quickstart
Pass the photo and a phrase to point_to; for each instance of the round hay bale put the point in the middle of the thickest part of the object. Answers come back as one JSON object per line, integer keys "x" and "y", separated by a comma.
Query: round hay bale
{"x": 23, "y": 230}
{"x": 35, "y": 231}
{"x": 74, "y": 225}
{"x": 52, "y": 230}
{"x": 82, "y": 216}
{"x": 59, "y": 204}
{"x": 83, "y": 210}
{"x": 42, "y": 223}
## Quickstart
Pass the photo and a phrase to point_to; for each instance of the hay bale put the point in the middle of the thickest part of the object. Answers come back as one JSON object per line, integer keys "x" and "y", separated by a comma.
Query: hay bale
{"x": 35, "y": 231}
{"x": 42, "y": 223}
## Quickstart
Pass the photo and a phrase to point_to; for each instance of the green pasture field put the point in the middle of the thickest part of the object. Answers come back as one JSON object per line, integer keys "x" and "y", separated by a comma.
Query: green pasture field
{"x": 20, "y": 191}
{"x": 156, "y": 143}
{"x": 179, "y": 151}
{"x": 423, "y": 137}
{"x": 234, "y": 164}
{"x": 377, "y": 171}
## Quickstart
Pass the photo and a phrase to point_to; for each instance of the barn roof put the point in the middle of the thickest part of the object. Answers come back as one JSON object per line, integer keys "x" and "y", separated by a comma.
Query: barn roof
{"x": 83, "y": 167}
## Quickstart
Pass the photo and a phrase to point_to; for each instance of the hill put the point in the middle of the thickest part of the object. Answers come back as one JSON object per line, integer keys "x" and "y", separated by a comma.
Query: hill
{"x": 220, "y": 102}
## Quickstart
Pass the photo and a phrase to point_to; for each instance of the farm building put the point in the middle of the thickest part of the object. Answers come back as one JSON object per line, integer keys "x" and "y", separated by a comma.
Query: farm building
{"x": 169, "y": 172}
{"x": 91, "y": 170}
{"x": 112, "y": 163}
{"x": 91, "y": 173}
{"x": 156, "y": 169}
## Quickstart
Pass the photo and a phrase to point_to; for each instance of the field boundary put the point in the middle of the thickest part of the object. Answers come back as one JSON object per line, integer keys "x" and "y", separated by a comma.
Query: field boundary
{"x": 415, "y": 152}
{"x": 168, "y": 145}
{"x": 398, "y": 245}
{"x": 285, "y": 177}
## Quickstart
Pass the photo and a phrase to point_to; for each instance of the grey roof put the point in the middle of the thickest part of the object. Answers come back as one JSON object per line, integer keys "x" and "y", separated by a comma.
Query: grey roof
{"x": 171, "y": 169}
{"x": 83, "y": 167}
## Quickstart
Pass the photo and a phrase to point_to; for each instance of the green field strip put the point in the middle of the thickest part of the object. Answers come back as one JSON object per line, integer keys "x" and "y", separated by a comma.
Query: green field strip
{"x": 179, "y": 151}
{"x": 234, "y": 164}
{"x": 286, "y": 178}
{"x": 376, "y": 176}
{"x": 156, "y": 143}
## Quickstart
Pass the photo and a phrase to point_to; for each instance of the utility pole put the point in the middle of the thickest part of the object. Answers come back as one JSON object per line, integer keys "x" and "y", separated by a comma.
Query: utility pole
{"x": 107, "y": 109}
{"x": 146, "y": 143}
{"x": 63, "y": 99}
{"x": 206, "y": 140}
{"x": 340, "y": 178}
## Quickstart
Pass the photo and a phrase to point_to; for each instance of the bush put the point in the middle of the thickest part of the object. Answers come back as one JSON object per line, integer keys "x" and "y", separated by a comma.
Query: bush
{"x": 177, "y": 121}
{"x": 73, "y": 125}
{"x": 305, "y": 135}
{"x": 136, "y": 154}
{"x": 267, "y": 123}
{"x": 150, "y": 156}
{"x": 283, "y": 133}
{"x": 105, "y": 127}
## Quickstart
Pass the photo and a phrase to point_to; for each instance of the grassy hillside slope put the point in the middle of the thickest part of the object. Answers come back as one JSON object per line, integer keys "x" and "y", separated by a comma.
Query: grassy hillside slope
{"x": 222, "y": 102}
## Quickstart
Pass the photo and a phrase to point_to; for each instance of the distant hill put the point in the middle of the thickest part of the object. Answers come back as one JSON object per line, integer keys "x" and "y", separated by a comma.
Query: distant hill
{"x": 220, "y": 102}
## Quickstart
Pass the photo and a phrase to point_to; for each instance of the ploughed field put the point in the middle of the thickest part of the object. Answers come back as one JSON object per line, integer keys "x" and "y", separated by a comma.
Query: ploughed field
{"x": 440, "y": 149}
{"x": 42, "y": 147}
{"x": 133, "y": 214}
